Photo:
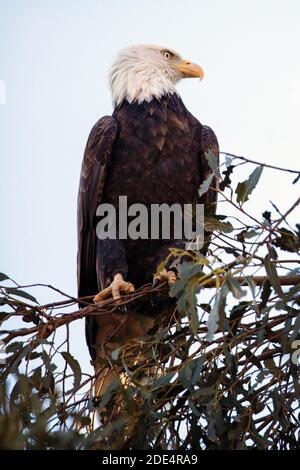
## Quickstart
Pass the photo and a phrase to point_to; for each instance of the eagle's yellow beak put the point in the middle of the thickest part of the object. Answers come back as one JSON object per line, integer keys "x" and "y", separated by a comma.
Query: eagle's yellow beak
{"x": 189, "y": 70}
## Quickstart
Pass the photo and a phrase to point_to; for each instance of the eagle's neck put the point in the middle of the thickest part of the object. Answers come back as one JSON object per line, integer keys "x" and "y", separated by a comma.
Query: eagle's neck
{"x": 135, "y": 84}
{"x": 139, "y": 111}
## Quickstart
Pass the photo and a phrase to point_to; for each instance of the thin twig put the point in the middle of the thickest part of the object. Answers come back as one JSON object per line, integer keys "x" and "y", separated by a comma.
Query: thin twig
{"x": 267, "y": 165}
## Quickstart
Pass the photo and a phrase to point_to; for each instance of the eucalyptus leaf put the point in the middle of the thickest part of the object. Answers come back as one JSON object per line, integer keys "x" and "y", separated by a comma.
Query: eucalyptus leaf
{"x": 244, "y": 189}
{"x": 216, "y": 315}
{"x": 20, "y": 293}
{"x": 212, "y": 223}
{"x": 213, "y": 161}
{"x": 75, "y": 367}
{"x": 235, "y": 287}
{"x": 272, "y": 275}
{"x": 205, "y": 185}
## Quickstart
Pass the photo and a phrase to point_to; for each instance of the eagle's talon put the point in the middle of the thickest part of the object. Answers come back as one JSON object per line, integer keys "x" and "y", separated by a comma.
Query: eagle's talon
{"x": 155, "y": 282}
{"x": 163, "y": 276}
{"x": 115, "y": 289}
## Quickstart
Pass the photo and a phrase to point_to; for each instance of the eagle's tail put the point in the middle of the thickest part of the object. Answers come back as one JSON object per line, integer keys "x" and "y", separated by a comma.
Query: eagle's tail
{"x": 115, "y": 331}
{"x": 118, "y": 335}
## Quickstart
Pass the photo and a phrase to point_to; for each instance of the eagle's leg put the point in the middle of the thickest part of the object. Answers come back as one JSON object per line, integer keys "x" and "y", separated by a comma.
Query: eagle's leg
{"x": 164, "y": 276}
{"x": 115, "y": 289}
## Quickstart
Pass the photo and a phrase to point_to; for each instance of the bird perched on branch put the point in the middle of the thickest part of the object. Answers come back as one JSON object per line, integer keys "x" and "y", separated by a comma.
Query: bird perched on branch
{"x": 152, "y": 150}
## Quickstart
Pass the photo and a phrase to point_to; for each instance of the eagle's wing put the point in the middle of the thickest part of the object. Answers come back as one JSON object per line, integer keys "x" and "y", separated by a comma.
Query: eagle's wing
{"x": 95, "y": 164}
{"x": 209, "y": 142}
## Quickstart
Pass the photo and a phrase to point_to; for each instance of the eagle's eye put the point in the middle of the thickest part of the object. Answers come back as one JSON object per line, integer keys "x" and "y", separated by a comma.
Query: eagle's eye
{"x": 167, "y": 54}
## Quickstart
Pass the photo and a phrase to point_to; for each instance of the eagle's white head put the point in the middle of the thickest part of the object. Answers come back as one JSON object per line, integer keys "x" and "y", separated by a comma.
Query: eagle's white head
{"x": 144, "y": 72}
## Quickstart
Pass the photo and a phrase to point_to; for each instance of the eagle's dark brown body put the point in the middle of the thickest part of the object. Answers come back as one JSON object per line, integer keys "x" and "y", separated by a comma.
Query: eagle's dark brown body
{"x": 151, "y": 152}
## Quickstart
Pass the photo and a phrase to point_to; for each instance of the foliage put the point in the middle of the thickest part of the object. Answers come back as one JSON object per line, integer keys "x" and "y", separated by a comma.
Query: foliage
{"x": 220, "y": 373}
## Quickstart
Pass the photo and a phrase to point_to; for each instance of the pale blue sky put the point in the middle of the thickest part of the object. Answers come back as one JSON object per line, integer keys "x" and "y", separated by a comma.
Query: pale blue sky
{"x": 54, "y": 59}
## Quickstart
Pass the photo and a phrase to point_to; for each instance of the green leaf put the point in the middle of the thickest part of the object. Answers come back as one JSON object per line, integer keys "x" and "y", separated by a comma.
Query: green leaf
{"x": 271, "y": 366}
{"x": 164, "y": 380}
{"x": 3, "y": 277}
{"x": 295, "y": 330}
{"x": 244, "y": 189}
{"x": 75, "y": 367}
{"x": 185, "y": 376}
{"x": 261, "y": 375}
{"x": 252, "y": 286}
{"x": 289, "y": 295}
{"x": 35, "y": 378}
{"x": 217, "y": 312}
{"x": 185, "y": 289}
{"x": 193, "y": 312}
{"x": 213, "y": 161}
{"x": 20, "y": 293}
{"x": 235, "y": 287}
{"x": 245, "y": 234}
{"x": 47, "y": 361}
{"x": 272, "y": 275}
{"x": 14, "y": 347}
{"x": 205, "y": 185}
{"x": 236, "y": 315}
{"x": 110, "y": 391}
{"x": 212, "y": 223}
{"x": 21, "y": 387}
{"x": 47, "y": 384}
{"x": 265, "y": 295}
{"x": 187, "y": 271}
{"x": 228, "y": 161}
{"x": 213, "y": 319}
{"x": 197, "y": 368}
{"x": 287, "y": 241}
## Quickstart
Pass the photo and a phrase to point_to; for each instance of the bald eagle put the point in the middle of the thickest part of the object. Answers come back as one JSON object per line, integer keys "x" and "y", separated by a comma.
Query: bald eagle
{"x": 152, "y": 150}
